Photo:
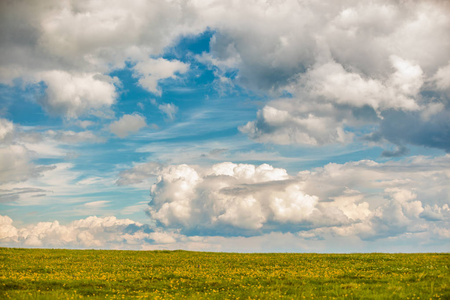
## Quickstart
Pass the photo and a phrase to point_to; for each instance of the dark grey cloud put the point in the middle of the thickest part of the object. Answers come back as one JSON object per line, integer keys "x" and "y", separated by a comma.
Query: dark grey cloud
{"x": 400, "y": 127}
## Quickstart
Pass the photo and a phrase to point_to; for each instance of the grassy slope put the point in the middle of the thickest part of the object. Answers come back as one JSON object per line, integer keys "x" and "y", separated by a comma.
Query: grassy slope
{"x": 67, "y": 274}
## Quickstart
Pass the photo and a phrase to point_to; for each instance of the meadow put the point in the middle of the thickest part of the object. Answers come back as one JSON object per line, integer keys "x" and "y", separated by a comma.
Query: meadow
{"x": 98, "y": 274}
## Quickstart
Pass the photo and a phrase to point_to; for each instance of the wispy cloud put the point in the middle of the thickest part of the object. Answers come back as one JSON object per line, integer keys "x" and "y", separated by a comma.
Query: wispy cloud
{"x": 169, "y": 109}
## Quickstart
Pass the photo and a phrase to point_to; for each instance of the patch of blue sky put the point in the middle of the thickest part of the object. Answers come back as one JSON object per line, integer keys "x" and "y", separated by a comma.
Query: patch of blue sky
{"x": 189, "y": 45}
{"x": 48, "y": 161}
{"x": 297, "y": 158}
{"x": 98, "y": 159}
{"x": 130, "y": 93}
{"x": 203, "y": 120}
{"x": 186, "y": 91}
{"x": 19, "y": 103}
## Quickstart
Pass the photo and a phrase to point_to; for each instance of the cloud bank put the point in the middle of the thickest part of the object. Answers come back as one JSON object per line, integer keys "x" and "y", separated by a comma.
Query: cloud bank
{"x": 364, "y": 203}
{"x": 365, "y": 199}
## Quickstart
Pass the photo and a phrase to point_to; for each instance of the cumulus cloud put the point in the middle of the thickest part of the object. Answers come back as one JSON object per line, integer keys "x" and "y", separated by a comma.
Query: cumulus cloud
{"x": 75, "y": 95}
{"x": 113, "y": 233}
{"x": 366, "y": 39}
{"x": 344, "y": 65}
{"x": 88, "y": 35}
{"x": 364, "y": 199}
{"x": 333, "y": 82}
{"x": 92, "y": 232}
{"x": 7, "y": 231}
{"x": 285, "y": 123}
{"x": 127, "y": 124}
{"x": 397, "y": 194}
{"x": 227, "y": 195}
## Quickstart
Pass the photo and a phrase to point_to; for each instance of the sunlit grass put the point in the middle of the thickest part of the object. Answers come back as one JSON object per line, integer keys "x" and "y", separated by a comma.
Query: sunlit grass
{"x": 75, "y": 274}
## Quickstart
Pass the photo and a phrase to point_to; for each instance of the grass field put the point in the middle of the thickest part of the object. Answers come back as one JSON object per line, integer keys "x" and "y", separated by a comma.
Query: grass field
{"x": 74, "y": 274}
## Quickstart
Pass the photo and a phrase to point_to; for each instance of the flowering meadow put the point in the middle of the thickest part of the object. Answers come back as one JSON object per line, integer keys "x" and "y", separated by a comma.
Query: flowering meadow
{"x": 97, "y": 274}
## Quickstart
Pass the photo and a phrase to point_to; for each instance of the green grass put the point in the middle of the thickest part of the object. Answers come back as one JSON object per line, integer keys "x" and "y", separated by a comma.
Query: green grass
{"x": 75, "y": 274}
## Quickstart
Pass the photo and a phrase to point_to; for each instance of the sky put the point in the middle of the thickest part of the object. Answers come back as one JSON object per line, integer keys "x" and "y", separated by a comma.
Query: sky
{"x": 243, "y": 126}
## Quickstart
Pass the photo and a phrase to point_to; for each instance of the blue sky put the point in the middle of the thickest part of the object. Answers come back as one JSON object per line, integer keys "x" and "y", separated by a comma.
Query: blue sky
{"x": 225, "y": 126}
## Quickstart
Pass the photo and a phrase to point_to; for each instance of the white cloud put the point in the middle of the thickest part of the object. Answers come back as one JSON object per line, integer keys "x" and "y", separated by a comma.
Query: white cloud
{"x": 16, "y": 165}
{"x": 7, "y": 231}
{"x": 127, "y": 124}
{"x": 89, "y": 35}
{"x": 242, "y": 196}
{"x": 6, "y": 129}
{"x": 292, "y": 124}
{"x": 162, "y": 237}
{"x": 89, "y": 232}
{"x": 362, "y": 199}
{"x": 398, "y": 91}
{"x": 76, "y": 95}
{"x": 151, "y": 71}
{"x": 442, "y": 78}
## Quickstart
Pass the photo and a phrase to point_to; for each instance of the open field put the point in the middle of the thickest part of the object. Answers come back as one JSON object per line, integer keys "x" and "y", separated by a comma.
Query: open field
{"x": 74, "y": 274}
